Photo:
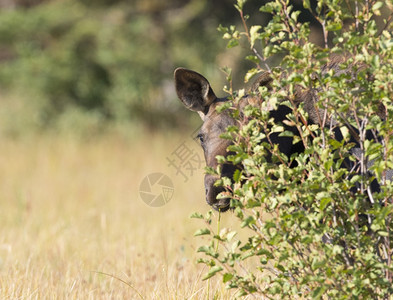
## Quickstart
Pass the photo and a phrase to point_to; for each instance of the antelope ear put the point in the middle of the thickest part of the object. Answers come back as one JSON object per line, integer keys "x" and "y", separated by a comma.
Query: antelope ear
{"x": 262, "y": 80}
{"x": 194, "y": 90}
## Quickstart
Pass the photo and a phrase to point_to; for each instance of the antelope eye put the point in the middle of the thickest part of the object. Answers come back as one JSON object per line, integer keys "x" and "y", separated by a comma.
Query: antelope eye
{"x": 200, "y": 137}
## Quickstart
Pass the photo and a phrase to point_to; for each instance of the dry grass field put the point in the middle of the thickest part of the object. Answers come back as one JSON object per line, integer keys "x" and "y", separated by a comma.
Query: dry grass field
{"x": 72, "y": 224}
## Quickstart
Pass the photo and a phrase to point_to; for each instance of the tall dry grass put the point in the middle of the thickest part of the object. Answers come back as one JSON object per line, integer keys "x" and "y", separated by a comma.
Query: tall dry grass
{"x": 72, "y": 225}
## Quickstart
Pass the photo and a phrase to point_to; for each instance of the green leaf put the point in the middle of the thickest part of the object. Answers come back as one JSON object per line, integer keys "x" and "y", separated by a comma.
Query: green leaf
{"x": 286, "y": 133}
{"x": 250, "y": 220}
{"x": 277, "y": 128}
{"x": 267, "y": 8}
{"x": 232, "y": 43}
{"x": 324, "y": 202}
{"x": 235, "y": 245}
{"x": 239, "y": 5}
{"x": 254, "y": 34}
{"x": 251, "y": 72}
{"x": 213, "y": 271}
{"x": 196, "y": 215}
{"x": 231, "y": 235}
{"x": 375, "y": 8}
{"x": 224, "y": 106}
{"x": 318, "y": 292}
{"x": 253, "y": 203}
{"x": 334, "y": 27}
{"x": 237, "y": 175}
{"x": 383, "y": 233}
{"x": 202, "y": 232}
{"x": 375, "y": 61}
{"x": 204, "y": 249}
{"x": 247, "y": 255}
{"x": 316, "y": 264}
{"x": 221, "y": 159}
{"x": 227, "y": 277}
{"x": 252, "y": 58}
{"x": 295, "y": 15}
{"x": 306, "y": 4}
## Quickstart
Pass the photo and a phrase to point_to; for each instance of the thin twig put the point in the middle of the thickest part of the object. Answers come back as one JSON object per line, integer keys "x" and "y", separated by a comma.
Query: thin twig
{"x": 260, "y": 57}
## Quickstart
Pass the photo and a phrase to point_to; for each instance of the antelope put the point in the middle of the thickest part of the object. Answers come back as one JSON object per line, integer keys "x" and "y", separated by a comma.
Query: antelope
{"x": 196, "y": 94}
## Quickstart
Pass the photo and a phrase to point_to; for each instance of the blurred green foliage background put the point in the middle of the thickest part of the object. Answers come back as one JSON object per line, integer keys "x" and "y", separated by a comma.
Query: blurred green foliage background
{"x": 93, "y": 64}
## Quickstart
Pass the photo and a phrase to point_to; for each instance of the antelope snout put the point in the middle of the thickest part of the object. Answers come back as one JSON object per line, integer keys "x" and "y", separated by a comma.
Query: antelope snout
{"x": 212, "y": 192}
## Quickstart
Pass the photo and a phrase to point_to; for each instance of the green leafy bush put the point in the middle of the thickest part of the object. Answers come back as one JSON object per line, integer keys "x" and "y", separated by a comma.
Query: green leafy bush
{"x": 314, "y": 227}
